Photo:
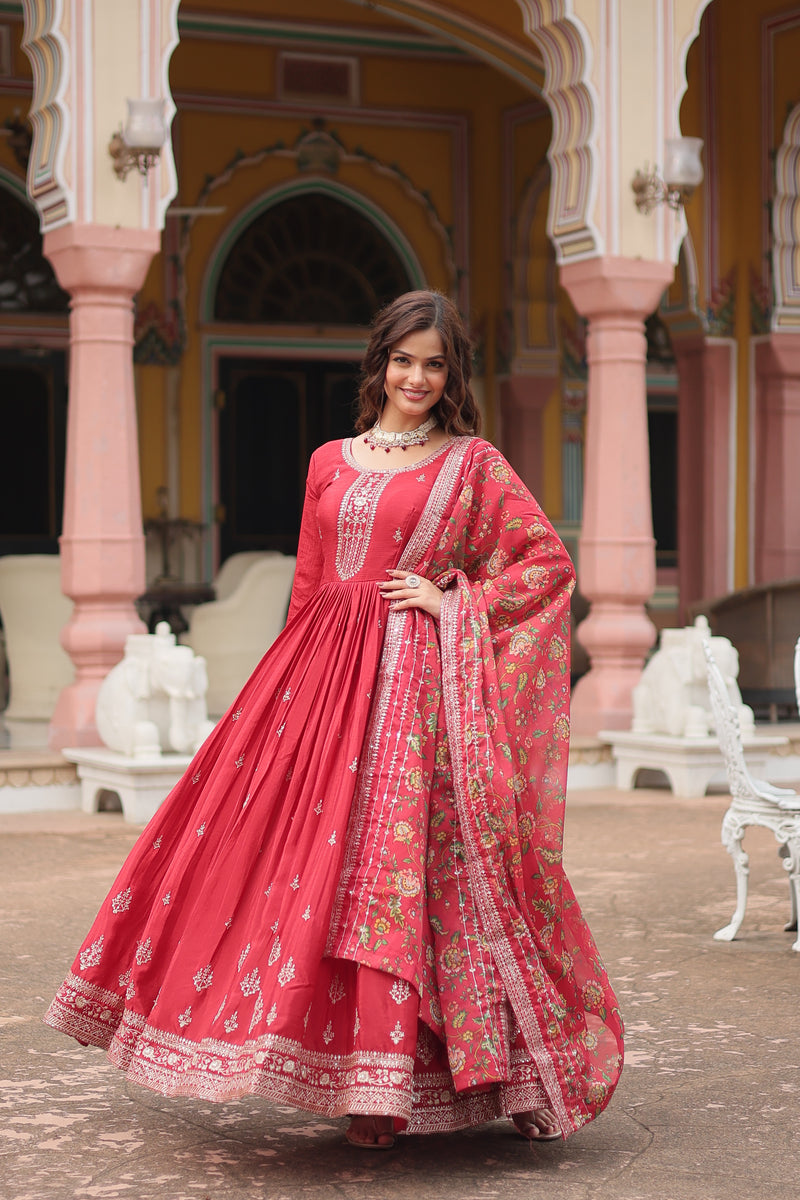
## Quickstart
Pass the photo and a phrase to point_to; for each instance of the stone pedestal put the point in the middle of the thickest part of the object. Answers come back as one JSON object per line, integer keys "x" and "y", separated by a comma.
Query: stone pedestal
{"x": 690, "y": 764}
{"x": 141, "y": 783}
{"x": 37, "y": 781}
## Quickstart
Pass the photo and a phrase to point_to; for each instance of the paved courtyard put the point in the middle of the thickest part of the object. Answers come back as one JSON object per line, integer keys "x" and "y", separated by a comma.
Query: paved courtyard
{"x": 708, "y": 1106}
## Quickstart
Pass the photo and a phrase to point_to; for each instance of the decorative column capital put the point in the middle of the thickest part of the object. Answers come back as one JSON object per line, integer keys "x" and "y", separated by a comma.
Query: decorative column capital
{"x": 86, "y": 257}
{"x": 611, "y": 285}
{"x": 779, "y": 355}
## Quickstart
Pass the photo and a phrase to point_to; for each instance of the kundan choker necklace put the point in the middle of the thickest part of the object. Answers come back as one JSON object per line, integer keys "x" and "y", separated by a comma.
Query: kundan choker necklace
{"x": 390, "y": 441}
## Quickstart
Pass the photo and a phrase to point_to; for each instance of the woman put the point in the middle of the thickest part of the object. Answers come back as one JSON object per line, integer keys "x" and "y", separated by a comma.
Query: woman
{"x": 354, "y": 901}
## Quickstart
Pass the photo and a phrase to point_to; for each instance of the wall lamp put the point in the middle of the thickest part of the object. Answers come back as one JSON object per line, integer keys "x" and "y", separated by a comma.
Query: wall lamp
{"x": 683, "y": 172}
{"x": 139, "y": 143}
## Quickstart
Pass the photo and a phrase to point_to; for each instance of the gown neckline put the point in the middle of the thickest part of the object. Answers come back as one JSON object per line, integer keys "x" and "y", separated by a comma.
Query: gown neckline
{"x": 352, "y": 461}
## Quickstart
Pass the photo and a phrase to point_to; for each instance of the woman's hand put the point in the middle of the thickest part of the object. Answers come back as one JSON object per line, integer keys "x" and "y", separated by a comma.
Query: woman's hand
{"x": 408, "y": 590}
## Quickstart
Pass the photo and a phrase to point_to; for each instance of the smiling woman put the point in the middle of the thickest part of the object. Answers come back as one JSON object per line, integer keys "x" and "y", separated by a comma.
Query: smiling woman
{"x": 354, "y": 900}
{"x": 419, "y": 332}
{"x": 416, "y": 375}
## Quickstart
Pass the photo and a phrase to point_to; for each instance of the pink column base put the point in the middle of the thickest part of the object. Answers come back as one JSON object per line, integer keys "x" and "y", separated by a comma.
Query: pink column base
{"x": 616, "y": 548}
{"x": 102, "y": 546}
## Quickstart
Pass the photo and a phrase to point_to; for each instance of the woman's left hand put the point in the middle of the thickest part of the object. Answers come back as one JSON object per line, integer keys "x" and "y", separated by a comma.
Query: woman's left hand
{"x": 406, "y": 589}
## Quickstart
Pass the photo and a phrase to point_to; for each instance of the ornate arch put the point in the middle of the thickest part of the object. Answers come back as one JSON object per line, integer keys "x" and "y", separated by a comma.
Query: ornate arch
{"x": 309, "y": 259}
{"x": 683, "y": 53}
{"x": 568, "y": 90}
{"x": 391, "y": 232}
{"x": 503, "y": 52}
{"x": 49, "y": 54}
{"x": 59, "y": 40}
{"x": 786, "y": 228}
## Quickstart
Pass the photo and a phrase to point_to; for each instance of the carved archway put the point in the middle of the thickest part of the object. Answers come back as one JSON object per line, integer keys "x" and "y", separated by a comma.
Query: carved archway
{"x": 786, "y": 228}
{"x": 568, "y": 90}
{"x": 309, "y": 259}
{"x": 570, "y": 58}
{"x": 407, "y": 263}
{"x": 64, "y": 157}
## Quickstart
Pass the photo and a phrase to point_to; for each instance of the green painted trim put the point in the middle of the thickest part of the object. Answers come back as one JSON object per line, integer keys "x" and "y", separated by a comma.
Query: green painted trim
{"x": 393, "y": 234}
{"x": 13, "y": 8}
{"x": 319, "y": 35}
{"x": 16, "y": 185}
{"x": 656, "y": 382}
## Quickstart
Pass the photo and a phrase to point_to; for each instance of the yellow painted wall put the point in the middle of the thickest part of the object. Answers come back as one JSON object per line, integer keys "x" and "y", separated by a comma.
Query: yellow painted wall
{"x": 207, "y": 141}
{"x": 228, "y": 66}
{"x": 739, "y": 98}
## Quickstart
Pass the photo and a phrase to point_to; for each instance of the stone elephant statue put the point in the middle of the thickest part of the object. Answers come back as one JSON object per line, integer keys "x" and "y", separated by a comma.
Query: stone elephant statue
{"x": 672, "y": 694}
{"x": 155, "y": 698}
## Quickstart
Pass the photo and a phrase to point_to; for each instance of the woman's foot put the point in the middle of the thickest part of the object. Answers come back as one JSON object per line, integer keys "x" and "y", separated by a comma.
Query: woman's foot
{"x": 371, "y": 1133}
{"x": 537, "y": 1125}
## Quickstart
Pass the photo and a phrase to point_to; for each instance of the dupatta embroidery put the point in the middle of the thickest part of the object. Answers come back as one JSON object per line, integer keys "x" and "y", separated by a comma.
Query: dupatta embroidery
{"x": 504, "y": 679}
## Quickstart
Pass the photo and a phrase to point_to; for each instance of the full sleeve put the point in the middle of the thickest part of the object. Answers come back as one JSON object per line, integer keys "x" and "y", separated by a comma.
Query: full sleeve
{"x": 308, "y": 572}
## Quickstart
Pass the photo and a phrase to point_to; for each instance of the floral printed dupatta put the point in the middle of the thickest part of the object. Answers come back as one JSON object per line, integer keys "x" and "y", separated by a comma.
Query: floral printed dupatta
{"x": 504, "y": 634}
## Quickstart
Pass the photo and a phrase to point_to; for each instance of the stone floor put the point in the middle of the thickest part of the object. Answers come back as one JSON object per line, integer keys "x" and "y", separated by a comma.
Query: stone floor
{"x": 708, "y": 1107}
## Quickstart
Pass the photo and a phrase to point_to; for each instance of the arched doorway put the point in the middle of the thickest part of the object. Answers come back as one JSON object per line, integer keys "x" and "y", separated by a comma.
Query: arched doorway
{"x": 33, "y": 391}
{"x": 310, "y": 261}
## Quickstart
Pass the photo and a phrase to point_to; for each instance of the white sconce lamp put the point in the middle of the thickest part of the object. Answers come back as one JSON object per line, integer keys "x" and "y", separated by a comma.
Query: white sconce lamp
{"x": 139, "y": 143}
{"x": 683, "y": 172}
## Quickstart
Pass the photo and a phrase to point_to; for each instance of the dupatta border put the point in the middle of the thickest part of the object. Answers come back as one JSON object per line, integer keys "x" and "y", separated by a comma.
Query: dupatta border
{"x": 464, "y": 734}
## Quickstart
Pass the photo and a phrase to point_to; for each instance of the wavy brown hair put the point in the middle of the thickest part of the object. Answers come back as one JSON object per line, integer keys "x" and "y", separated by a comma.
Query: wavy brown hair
{"x": 456, "y": 411}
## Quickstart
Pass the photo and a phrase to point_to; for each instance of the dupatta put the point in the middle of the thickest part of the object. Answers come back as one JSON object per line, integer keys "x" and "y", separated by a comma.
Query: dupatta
{"x": 504, "y": 641}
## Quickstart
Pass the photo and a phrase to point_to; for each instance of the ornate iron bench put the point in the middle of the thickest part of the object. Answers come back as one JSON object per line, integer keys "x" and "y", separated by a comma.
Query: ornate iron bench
{"x": 753, "y": 802}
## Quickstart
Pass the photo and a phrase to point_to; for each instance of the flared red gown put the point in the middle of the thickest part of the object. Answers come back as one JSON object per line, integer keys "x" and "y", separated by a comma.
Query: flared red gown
{"x": 353, "y": 901}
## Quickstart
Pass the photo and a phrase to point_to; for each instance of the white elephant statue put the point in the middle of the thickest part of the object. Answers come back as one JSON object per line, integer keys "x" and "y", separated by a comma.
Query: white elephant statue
{"x": 155, "y": 698}
{"x": 672, "y": 694}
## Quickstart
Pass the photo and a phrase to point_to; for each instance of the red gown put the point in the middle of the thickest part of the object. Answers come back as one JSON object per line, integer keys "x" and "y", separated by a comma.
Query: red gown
{"x": 354, "y": 901}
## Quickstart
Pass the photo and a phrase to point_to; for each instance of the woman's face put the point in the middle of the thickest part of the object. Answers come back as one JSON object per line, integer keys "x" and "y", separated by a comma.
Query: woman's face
{"x": 416, "y": 376}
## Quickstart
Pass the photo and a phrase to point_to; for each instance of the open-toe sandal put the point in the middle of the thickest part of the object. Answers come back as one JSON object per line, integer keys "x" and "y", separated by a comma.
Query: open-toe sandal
{"x": 539, "y": 1136}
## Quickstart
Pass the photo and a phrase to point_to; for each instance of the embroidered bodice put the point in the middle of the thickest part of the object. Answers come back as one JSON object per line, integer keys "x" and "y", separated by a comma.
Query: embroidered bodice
{"x": 357, "y": 521}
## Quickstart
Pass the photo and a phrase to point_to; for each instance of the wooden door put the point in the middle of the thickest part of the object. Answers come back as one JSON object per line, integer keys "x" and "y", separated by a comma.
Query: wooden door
{"x": 33, "y": 423}
{"x": 272, "y": 415}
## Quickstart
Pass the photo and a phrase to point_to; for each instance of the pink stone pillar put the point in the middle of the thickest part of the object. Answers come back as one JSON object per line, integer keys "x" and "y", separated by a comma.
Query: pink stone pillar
{"x": 522, "y": 402}
{"x": 706, "y": 403}
{"x": 616, "y": 548}
{"x": 102, "y": 546}
{"x": 777, "y": 518}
